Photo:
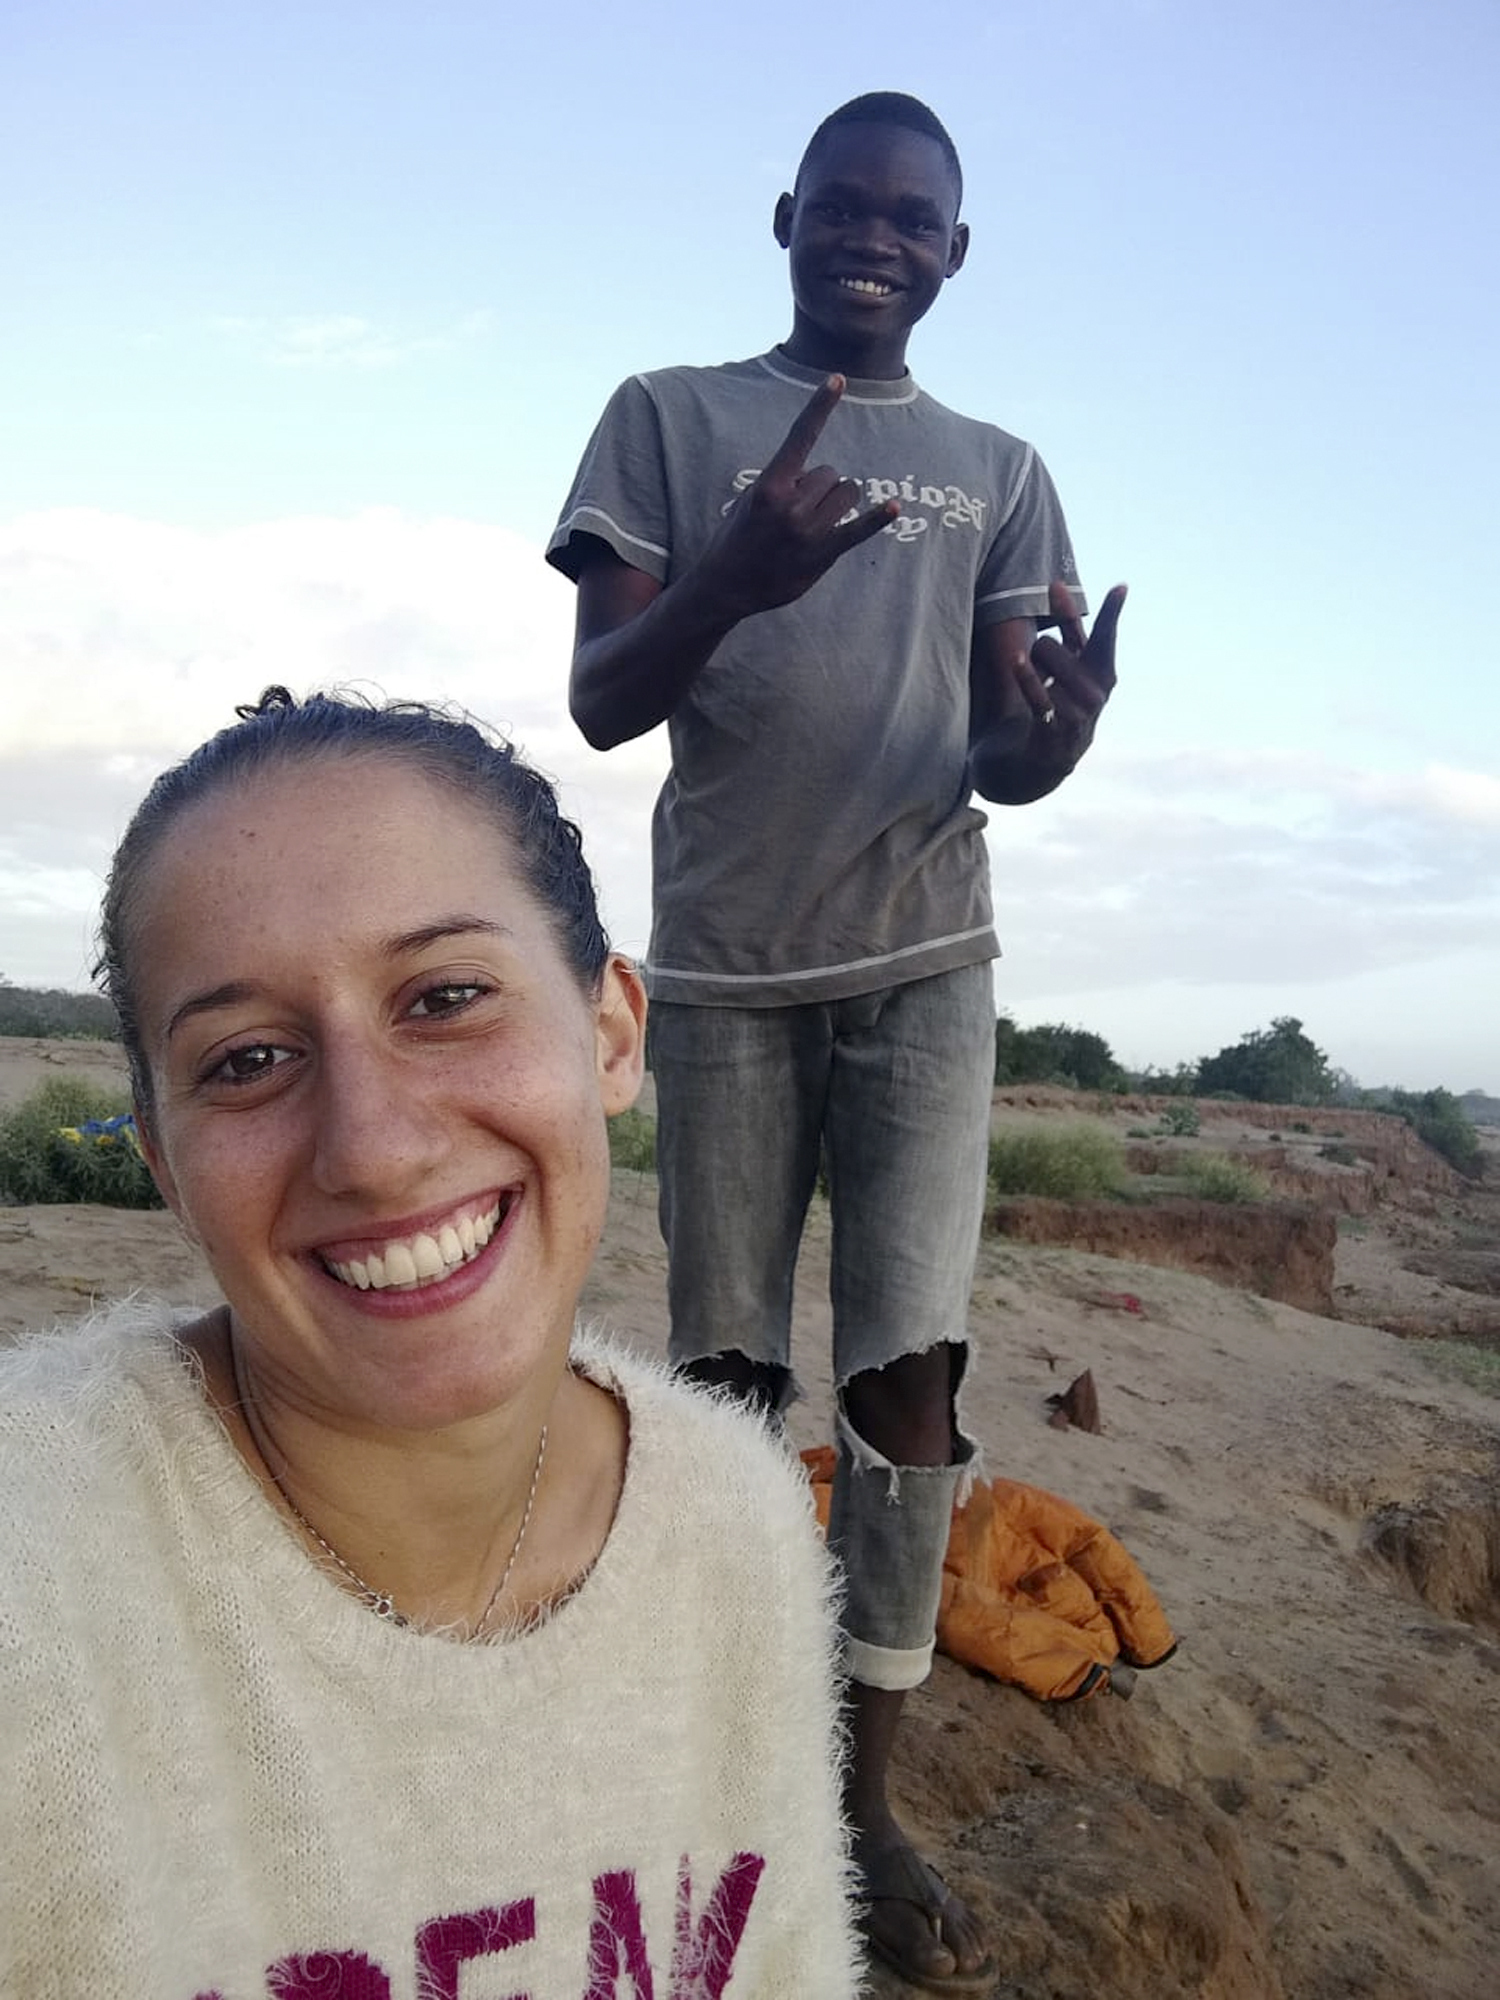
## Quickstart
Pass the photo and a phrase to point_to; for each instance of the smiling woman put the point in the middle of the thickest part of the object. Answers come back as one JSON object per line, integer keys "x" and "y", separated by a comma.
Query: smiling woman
{"x": 378, "y": 1621}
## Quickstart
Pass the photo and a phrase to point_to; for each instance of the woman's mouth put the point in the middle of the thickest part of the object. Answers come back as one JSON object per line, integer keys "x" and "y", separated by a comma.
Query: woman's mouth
{"x": 407, "y": 1263}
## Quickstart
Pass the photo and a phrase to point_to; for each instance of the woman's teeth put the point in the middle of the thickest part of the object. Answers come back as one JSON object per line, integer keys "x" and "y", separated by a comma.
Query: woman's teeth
{"x": 419, "y": 1260}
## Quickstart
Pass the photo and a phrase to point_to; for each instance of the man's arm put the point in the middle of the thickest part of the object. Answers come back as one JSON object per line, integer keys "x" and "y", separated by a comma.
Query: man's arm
{"x": 1034, "y": 703}
{"x": 640, "y": 645}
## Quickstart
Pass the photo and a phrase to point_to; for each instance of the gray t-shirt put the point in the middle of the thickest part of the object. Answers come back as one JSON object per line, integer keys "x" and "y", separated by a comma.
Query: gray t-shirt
{"x": 814, "y": 837}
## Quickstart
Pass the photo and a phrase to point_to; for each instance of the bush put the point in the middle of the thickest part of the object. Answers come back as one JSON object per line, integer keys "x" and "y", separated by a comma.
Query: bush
{"x": 1073, "y": 1163}
{"x": 1054, "y": 1053}
{"x": 47, "y": 1154}
{"x": 1340, "y": 1154}
{"x": 1439, "y": 1120}
{"x": 1465, "y": 1361}
{"x": 632, "y": 1142}
{"x": 1275, "y": 1065}
{"x": 1216, "y": 1177}
{"x": 1181, "y": 1120}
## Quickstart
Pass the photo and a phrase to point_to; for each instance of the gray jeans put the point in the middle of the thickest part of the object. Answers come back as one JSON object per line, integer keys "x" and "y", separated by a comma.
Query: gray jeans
{"x": 891, "y": 1091}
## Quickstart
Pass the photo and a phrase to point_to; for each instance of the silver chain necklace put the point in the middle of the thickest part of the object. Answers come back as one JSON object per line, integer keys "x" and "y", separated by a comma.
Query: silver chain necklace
{"x": 380, "y": 1601}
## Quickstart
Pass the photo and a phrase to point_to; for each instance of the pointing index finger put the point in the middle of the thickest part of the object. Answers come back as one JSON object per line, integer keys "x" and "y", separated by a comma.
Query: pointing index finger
{"x": 791, "y": 454}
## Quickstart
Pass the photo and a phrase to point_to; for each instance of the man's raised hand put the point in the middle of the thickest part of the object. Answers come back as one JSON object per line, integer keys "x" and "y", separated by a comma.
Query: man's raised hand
{"x": 794, "y": 523}
{"x": 1068, "y": 679}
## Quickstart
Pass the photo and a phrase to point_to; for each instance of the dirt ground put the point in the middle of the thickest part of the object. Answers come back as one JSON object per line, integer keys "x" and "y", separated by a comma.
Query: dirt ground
{"x": 1304, "y": 1803}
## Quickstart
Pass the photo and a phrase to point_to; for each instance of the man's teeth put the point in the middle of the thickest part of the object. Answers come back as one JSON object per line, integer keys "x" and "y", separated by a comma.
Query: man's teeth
{"x": 418, "y": 1260}
{"x": 869, "y": 285}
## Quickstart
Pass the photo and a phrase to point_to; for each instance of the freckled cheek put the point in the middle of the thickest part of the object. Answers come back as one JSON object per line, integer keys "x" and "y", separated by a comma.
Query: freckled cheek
{"x": 228, "y": 1196}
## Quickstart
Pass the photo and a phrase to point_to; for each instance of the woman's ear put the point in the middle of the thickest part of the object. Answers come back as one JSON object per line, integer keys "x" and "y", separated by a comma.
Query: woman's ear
{"x": 620, "y": 1031}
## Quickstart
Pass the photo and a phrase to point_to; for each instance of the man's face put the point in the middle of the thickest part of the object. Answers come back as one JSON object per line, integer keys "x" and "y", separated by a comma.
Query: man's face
{"x": 872, "y": 232}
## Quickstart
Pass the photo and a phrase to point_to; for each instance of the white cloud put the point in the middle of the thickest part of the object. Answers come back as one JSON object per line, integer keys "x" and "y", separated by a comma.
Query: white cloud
{"x": 1188, "y": 895}
{"x": 342, "y": 340}
{"x": 127, "y": 642}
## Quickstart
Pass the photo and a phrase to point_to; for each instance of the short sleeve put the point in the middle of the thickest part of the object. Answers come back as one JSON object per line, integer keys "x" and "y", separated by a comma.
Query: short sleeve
{"x": 1030, "y": 549}
{"x": 619, "y": 494}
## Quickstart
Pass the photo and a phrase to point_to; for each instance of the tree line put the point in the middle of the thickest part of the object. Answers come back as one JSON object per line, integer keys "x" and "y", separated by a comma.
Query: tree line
{"x": 35, "y": 1010}
{"x": 1280, "y": 1064}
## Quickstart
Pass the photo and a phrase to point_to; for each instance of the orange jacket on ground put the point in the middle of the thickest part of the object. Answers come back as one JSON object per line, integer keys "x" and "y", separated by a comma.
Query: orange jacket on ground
{"x": 1034, "y": 1591}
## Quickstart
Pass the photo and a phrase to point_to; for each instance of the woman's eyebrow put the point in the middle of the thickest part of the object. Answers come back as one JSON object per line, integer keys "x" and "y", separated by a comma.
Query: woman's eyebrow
{"x": 231, "y": 994}
{"x": 235, "y": 992}
{"x": 459, "y": 925}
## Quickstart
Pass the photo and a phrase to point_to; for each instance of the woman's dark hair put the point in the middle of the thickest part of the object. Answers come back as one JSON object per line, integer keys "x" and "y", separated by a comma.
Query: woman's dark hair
{"x": 444, "y": 745}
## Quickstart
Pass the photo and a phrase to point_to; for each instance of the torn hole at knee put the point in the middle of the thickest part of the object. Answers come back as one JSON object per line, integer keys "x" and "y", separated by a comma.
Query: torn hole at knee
{"x": 958, "y": 1475}
{"x": 960, "y": 1451}
{"x": 766, "y": 1385}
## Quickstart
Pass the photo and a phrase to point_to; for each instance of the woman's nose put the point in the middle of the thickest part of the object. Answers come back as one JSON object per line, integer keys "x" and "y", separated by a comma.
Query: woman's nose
{"x": 379, "y": 1128}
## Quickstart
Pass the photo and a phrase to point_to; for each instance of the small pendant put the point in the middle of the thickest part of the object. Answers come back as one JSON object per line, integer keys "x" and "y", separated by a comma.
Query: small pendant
{"x": 381, "y": 1604}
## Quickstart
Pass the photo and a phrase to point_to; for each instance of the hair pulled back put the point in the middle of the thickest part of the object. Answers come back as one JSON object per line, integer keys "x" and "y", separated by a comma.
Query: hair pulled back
{"x": 443, "y": 744}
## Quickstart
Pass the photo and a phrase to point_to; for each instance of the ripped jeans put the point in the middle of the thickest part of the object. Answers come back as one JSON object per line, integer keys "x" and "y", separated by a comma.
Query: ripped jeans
{"x": 890, "y": 1092}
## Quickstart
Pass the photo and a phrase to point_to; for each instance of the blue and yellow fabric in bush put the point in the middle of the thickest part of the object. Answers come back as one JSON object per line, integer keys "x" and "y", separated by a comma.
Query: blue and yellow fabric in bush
{"x": 118, "y": 1131}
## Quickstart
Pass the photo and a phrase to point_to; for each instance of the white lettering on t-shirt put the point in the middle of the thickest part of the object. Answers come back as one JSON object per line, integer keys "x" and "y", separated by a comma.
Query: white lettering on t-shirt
{"x": 953, "y": 507}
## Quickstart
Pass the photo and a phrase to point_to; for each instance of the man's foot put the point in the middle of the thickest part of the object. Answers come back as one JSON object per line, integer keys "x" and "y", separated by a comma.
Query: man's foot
{"x": 914, "y": 1923}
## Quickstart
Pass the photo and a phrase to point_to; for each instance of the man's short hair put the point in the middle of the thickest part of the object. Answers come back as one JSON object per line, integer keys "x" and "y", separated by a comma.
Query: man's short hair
{"x": 889, "y": 107}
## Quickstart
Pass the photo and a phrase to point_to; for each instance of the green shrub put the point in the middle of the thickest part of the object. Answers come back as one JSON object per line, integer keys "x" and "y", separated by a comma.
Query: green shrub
{"x": 1216, "y": 1177}
{"x": 1340, "y": 1154}
{"x": 1439, "y": 1120}
{"x": 1072, "y": 1162}
{"x": 46, "y": 1156}
{"x": 1139, "y": 1132}
{"x": 1465, "y": 1361}
{"x": 632, "y": 1142}
{"x": 1181, "y": 1120}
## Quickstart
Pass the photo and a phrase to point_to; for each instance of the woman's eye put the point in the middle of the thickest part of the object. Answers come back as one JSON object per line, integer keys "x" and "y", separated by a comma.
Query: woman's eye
{"x": 248, "y": 1064}
{"x": 446, "y": 999}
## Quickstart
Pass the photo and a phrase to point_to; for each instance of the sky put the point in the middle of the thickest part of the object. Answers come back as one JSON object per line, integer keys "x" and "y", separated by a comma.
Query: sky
{"x": 308, "y": 309}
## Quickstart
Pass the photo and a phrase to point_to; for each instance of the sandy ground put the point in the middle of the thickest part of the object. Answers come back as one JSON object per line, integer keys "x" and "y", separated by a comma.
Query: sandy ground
{"x": 1305, "y": 1802}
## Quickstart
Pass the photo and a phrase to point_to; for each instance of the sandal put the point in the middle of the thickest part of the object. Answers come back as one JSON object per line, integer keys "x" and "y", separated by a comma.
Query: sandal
{"x": 900, "y": 1875}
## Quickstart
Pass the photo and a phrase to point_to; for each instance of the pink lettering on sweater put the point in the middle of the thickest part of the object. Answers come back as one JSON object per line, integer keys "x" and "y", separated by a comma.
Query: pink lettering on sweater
{"x": 327, "y": 1975}
{"x": 702, "y": 1957}
{"x": 704, "y": 1946}
{"x": 448, "y": 1942}
{"x": 702, "y": 1960}
{"x": 617, "y": 1940}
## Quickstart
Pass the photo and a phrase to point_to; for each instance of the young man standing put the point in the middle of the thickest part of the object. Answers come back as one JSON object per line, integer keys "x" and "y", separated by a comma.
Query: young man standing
{"x": 842, "y": 657}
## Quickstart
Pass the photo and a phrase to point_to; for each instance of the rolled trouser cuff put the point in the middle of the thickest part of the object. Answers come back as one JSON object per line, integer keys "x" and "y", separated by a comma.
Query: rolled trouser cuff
{"x": 886, "y": 1667}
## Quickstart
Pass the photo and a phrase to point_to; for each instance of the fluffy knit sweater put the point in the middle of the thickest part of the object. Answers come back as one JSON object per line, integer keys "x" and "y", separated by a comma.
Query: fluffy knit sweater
{"x": 226, "y": 1780}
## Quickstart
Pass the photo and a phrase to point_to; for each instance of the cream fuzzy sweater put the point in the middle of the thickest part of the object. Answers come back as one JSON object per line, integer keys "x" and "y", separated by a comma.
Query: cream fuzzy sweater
{"x": 224, "y": 1777}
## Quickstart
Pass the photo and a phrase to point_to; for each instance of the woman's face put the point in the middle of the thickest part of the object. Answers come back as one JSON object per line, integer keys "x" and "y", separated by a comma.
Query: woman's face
{"x": 380, "y": 1090}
